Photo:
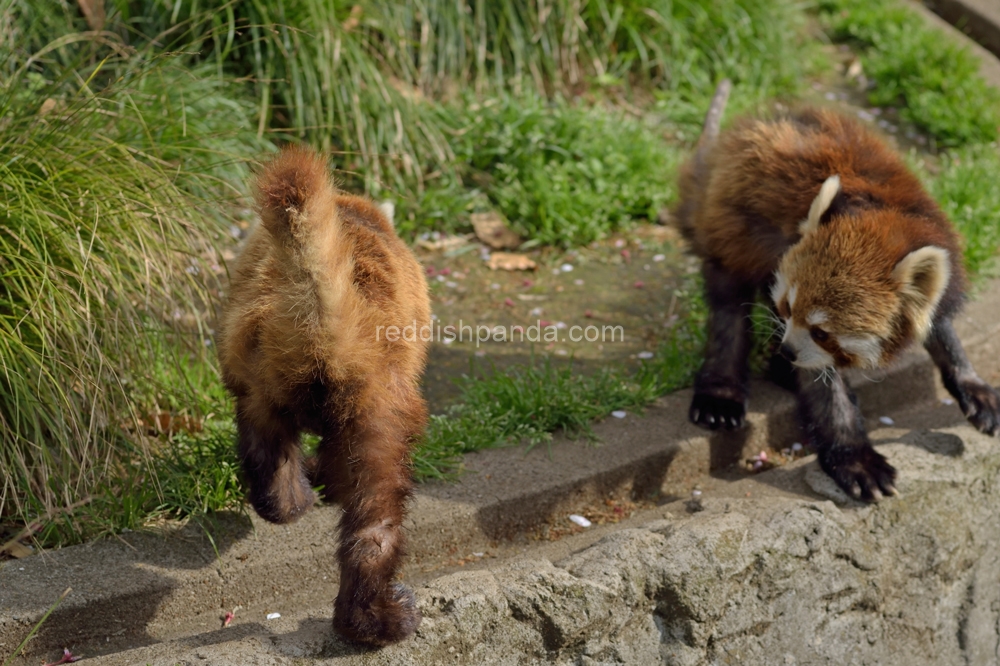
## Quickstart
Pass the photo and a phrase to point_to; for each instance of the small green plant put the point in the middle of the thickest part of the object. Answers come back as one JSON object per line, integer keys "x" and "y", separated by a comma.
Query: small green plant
{"x": 566, "y": 175}
{"x": 934, "y": 79}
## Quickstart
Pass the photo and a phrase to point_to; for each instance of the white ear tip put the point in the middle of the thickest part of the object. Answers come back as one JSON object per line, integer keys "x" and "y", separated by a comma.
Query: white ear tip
{"x": 827, "y": 191}
{"x": 388, "y": 209}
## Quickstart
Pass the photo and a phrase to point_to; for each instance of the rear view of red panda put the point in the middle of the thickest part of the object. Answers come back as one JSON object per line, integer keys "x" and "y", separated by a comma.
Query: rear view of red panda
{"x": 816, "y": 211}
{"x": 303, "y": 347}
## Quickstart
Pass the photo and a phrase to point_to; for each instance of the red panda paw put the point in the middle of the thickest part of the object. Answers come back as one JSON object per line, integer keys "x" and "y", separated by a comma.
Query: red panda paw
{"x": 861, "y": 471}
{"x": 981, "y": 404}
{"x": 391, "y": 617}
{"x": 714, "y": 413}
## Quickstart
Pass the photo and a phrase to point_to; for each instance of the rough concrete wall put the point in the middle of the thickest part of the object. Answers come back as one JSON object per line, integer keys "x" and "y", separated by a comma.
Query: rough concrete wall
{"x": 914, "y": 580}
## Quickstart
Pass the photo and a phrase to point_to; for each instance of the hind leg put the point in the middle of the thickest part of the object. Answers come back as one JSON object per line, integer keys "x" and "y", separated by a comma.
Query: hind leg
{"x": 720, "y": 388}
{"x": 371, "y": 607}
{"x": 329, "y": 468}
{"x": 272, "y": 462}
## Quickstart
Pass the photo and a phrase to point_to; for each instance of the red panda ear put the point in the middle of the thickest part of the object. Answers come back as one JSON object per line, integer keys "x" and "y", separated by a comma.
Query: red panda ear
{"x": 923, "y": 276}
{"x": 830, "y": 188}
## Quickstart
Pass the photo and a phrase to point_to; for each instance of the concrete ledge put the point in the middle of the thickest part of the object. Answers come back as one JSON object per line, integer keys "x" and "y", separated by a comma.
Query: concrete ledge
{"x": 989, "y": 66}
{"x": 979, "y": 19}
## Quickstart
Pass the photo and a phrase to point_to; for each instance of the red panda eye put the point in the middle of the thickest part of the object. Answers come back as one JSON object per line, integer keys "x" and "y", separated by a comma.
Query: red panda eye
{"x": 818, "y": 334}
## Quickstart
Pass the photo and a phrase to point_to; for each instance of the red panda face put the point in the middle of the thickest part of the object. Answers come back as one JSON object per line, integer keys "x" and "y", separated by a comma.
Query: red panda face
{"x": 846, "y": 299}
{"x": 822, "y": 328}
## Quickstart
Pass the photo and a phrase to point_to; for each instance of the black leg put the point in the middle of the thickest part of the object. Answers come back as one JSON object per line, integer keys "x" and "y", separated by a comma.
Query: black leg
{"x": 833, "y": 423}
{"x": 720, "y": 388}
{"x": 272, "y": 462}
{"x": 979, "y": 401}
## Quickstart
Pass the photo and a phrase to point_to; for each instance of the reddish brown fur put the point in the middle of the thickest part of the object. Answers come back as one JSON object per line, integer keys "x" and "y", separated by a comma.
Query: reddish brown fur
{"x": 301, "y": 348}
{"x": 875, "y": 268}
{"x": 761, "y": 177}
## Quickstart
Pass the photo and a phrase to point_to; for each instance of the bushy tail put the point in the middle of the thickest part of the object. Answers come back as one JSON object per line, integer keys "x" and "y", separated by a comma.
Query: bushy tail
{"x": 295, "y": 196}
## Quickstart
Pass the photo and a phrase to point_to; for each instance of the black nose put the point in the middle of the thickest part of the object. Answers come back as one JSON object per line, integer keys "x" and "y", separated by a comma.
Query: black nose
{"x": 788, "y": 353}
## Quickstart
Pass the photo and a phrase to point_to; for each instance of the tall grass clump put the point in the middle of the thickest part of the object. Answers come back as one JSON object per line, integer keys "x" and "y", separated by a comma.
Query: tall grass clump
{"x": 367, "y": 78}
{"x": 106, "y": 239}
{"x": 934, "y": 79}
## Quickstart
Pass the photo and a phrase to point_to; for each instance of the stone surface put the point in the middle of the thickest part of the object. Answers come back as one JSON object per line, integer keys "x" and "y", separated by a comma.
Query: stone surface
{"x": 794, "y": 580}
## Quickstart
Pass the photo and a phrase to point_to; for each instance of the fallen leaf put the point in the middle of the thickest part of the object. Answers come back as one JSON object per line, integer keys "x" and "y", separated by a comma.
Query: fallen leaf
{"x": 353, "y": 20}
{"x": 492, "y": 229}
{"x": 443, "y": 243}
{"x": 511, "y": 262}
{"x": 48, "y": 106}
{"x": 18, "y": 549}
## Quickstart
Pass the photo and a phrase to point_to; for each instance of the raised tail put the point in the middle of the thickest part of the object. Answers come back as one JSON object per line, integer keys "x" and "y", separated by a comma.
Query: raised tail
{"x": 295, "y": 196}
{"x": 713, "y": 120}
{"x": 694, "y": 173}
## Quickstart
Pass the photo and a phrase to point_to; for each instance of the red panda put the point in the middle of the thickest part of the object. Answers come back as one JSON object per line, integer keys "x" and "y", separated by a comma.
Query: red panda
{"x": 304, "y": 346}
{"x": 814, "y": 210}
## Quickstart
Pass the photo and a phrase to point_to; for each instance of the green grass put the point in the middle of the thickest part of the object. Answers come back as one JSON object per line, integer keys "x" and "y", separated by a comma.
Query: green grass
{"x": 968, "y": 189}
{"x": 370, "y": 81}
{"x": 527, "y": 404}
{"x": 934, "y": 79}
{"x": 564, "y": 175}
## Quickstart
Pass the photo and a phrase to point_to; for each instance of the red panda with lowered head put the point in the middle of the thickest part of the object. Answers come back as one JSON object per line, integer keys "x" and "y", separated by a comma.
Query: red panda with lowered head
{"x": 813, "y": 209}
{"x": 303, "y": 347}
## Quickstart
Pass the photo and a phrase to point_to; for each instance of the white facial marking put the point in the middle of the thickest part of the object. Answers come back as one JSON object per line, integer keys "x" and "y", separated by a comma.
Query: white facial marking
{"x": 866, "y": 347}
{"x": 817, "y": 317}
{"x": 807, "y": 353}
{"x": 793, "y": 291}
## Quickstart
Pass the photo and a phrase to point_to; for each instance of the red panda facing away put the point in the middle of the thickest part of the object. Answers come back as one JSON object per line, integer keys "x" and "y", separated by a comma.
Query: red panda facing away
{"x": 817, "y": 212}
{"x": 303, "y": 347}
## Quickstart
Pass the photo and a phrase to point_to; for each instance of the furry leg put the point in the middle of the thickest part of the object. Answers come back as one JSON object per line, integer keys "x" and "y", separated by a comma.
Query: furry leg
{"x": 720, "y": 388}
{"x": 371, "y": 607}
{"x": 272, "y": 462}
{"x": 979, "y": 401}
{"x": 830, "y": 416}
{"x": 330, "y": 466}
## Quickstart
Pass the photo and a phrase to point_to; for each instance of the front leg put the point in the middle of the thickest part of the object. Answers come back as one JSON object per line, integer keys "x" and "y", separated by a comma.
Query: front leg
{"x": 830, "y": 416}
{"x": 979, "y": 401}
{"x": 720, "y": 388}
